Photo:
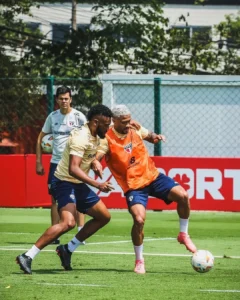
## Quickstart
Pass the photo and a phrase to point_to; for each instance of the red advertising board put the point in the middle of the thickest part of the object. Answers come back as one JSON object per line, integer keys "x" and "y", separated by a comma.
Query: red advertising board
{"x": 212, "y": 183}
{"x": 36, "y": 185}
{"x": 13, "y": 180}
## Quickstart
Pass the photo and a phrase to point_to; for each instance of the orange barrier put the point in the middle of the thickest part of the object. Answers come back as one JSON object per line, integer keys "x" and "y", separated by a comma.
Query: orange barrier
{"x": 212, "y": 183}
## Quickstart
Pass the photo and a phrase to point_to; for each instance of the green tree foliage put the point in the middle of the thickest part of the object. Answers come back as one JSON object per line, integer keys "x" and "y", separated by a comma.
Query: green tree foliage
{"x": 19, "y": 95}
{"x": 122, "y": 33}
{"x": 229, "y": 32}
{"x": 135, "y": 36}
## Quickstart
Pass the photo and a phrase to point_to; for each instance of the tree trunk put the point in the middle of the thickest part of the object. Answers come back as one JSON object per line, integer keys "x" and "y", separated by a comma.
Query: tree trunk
{"x": 74, "y": 15}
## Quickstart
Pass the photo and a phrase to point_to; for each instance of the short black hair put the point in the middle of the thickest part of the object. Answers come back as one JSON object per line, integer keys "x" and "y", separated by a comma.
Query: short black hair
{"x": 63, "y": 90}
{"x": 99, "y": 109}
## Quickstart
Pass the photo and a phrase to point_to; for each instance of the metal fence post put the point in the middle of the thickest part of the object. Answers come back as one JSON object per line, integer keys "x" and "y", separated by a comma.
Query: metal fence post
{"x": 50, "y": 94}
{"x": 157, "y": 114}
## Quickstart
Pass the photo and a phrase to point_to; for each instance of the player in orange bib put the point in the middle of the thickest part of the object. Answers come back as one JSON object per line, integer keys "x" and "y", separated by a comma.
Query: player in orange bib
{"x": 128, "y": 159}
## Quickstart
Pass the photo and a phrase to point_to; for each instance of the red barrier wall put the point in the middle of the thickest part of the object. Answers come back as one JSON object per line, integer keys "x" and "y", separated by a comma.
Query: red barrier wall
{"x": 212, "y": 183}
{"x": 37, "y": 189}
{"x": 12, "y": 180}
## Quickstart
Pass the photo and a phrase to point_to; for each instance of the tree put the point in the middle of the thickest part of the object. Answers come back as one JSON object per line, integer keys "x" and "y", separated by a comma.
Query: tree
{"x": 20, "y": 96}
{"x": 135, "y": 36}
{"x": 229, "y": 32}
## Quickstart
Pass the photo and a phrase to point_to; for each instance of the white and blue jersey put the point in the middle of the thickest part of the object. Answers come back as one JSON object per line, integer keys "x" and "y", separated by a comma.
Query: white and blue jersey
{"x": 60, "y": 126}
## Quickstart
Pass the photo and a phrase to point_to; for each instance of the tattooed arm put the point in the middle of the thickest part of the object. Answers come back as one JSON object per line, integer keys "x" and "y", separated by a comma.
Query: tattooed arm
{"x": 154, "y": 138}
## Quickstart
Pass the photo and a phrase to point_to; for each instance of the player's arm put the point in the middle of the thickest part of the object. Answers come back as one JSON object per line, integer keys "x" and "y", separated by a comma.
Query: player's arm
{"x": 102, "y": 149}
{"x": 154, "y": 138}
{"x": 96, "y": 166}
{"x": 135, "y": 125}
{"x": 76, "y": 171}
{"x": 39, "y": 166}
{"x": 150, "y": 136}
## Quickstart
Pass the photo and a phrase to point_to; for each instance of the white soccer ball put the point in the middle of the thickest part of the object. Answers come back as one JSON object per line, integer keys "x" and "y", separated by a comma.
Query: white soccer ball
{"x": 202, "y": 261}
{"x": 47, "y": 143}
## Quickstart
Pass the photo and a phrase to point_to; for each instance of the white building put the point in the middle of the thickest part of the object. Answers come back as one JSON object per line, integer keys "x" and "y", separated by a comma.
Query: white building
{"x": 54, "y": 20}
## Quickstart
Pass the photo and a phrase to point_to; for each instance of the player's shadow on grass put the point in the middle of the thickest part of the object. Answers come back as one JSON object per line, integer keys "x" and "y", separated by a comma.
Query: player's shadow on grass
{"x": 126, "y": 271}
{"x": 42, "y": 271}
{"x": 21, "y": 243}
{"x": 79, "y": 270}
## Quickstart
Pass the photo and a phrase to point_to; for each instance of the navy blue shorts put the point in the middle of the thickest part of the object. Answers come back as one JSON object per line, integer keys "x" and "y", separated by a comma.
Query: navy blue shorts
{"x": 159, "y": 188}
{"x": 65, "y": 192}
{"x": 52, "y": 169}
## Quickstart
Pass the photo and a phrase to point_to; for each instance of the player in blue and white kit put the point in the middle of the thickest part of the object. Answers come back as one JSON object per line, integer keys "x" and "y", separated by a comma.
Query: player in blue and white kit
{"x": 59, "y": 123}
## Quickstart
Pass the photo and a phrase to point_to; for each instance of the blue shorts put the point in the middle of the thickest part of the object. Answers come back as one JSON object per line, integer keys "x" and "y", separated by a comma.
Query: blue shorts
{"x": 52, "y": 169}
{"x": 159, "y": 188}
{"x": 65, "y": 192}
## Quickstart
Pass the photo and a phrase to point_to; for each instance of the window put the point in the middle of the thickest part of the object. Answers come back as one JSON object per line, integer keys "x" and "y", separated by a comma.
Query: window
{"x": 32, "y": 26}
{"x": 181, "y": 34}
{"x": 202, "y": 34}
{"x": 61, "y": 31}
{"x": 233, "y": 43}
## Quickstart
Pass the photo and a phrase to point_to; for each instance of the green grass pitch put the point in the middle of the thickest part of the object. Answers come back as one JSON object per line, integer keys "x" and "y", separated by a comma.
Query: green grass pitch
{"x": 103, "y": 268}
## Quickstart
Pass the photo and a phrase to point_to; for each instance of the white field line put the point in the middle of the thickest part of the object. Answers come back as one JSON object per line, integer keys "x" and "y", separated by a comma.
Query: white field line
{"x": 73, "y": 284}
{"x": 72, "y": 234}
{"x": 40, "y": 233}
{"x": 114, "y": 242}
{"x": 220, "y": 291}
{"x": 2, "y": 248}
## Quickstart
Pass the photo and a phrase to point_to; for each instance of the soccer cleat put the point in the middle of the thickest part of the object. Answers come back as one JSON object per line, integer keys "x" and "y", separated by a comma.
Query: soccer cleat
{"x": 56, "y": 242}
{"x": 25, "y": 263}
{"x": 139, "y": 267}
{"x": 184, "y": 238}
{"x": 65, "y": 256}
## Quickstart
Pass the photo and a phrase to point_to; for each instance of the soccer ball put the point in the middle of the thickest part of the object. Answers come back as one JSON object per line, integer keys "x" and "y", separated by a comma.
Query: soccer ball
{"x": 47, "y": 143}
{"x": 202, "y": 261}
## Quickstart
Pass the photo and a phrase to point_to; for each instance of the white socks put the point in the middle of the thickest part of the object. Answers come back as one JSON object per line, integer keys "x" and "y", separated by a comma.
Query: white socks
{"x": 32, "y": 252}
{"x": 138, "y": 252}
{"x": 73, "y": 244}
{"x": 183, "y": 225}
{"x": 80, "y": 227}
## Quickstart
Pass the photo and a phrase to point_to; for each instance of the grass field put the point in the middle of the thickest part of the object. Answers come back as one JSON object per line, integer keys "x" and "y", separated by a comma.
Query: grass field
{"x": 103, "y": 268}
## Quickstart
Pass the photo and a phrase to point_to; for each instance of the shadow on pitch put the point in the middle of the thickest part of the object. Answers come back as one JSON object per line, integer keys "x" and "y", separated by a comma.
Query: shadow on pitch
{"x": 21, "y": 243}
{"x": 80, "y": 270}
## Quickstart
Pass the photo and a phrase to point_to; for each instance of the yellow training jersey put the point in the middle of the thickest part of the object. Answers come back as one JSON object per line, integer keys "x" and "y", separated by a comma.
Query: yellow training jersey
{"x": 80, "y": 143}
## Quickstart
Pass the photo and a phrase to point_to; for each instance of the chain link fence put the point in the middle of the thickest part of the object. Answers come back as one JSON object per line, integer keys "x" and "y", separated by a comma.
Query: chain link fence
{"x": 198, "y": 118}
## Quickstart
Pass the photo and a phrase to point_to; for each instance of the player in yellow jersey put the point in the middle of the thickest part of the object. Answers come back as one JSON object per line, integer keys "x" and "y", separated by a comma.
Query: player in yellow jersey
{"x": 128, "y": 159}
{"x": 69, "y": 188}
{"x": 59, "y": 123}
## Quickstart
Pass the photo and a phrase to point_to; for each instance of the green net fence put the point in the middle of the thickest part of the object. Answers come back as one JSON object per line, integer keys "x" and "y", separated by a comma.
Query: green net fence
{"x": 198, "y": 118}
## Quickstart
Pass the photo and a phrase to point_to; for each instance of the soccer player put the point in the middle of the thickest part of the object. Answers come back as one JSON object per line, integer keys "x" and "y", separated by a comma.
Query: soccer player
{"x": 59, "y": 123}
{"x": 128, "y": 159}
{"x": 70, "y": 189}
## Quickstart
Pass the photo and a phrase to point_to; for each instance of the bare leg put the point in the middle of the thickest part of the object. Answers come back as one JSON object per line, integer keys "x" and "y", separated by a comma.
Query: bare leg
{"x": 54, "y": 213}
{"x": 101, "y": 217}
{"x": 138, "y": 213}
{"x": 67, "y": 222}
{"x": 179, "y": 195}
{"x": 80, "y": 218}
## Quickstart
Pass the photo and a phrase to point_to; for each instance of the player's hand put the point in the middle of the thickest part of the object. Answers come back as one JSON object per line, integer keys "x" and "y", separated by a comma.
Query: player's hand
{"x": 134, "y": 125}
{"x": 159, "y": 137}
{"x": 105, "y": 187}
{"x": 40, "y": 169}
{"x": 97, "y": 168}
